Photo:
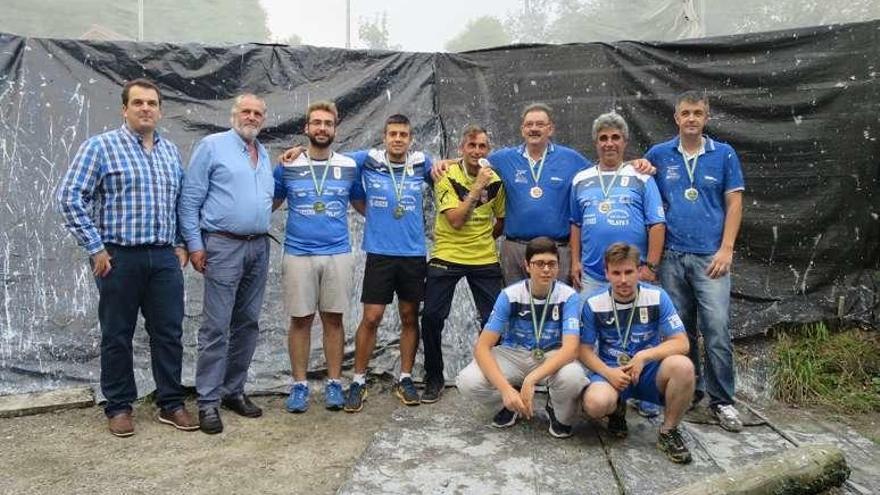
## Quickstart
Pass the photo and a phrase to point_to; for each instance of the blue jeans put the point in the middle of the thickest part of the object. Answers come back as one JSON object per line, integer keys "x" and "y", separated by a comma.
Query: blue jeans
{"x": 703, "y": 304}
{"x": 235, "y": 280}
{"x": 145, "y": 279}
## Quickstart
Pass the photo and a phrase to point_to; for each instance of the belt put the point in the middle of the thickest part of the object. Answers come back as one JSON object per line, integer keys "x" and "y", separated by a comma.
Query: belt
{"x": 239, "y": 237}
{"x": 559, "y": 242}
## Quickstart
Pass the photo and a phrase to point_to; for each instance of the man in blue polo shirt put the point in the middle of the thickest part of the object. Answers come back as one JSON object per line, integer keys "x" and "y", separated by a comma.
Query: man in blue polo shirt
{"x": 634, "y": 344}
{"x": 537, "y": 178}
{"x": 611, "y": 202}
{"x": 531, "y": 337}
{"x": 225, "y": 209}
{"x": 701, "y": 182}
{"x": 318, "y": 263}
{"x": 392, "y": 184}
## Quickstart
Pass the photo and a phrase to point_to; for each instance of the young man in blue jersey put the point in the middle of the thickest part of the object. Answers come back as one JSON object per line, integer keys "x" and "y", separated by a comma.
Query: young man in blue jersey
{"x": 317, "y": 262}
{"x": 635, "y": 346}
{"x": 392, "y": 184}
{"x": 531, "y": 337}
{"x": 701, "y": 182}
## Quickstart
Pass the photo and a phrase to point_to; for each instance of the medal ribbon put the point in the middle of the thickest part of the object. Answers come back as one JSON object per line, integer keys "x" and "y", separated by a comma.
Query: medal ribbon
{"x": 691, "y": 168}
{"x": 539, "y": 329}
{"x": 625, "y": 337}
{"x": 398, "y": 188}
{"x": 607, "y": 190}
{"x": 536, "y": 175}
{"x": 319, "y": 188}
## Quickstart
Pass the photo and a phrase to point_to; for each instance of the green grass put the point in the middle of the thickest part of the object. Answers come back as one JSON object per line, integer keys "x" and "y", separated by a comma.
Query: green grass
{"x": 838, "y": 370}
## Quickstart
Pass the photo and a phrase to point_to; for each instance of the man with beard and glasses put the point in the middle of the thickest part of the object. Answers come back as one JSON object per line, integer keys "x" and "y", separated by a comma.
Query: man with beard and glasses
{"x": 318, "y": 262}
{"x": 224, "y": 212}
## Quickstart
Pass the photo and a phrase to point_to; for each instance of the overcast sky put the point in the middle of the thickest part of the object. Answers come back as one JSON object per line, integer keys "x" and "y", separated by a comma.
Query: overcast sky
{"x": 414, "y": 25}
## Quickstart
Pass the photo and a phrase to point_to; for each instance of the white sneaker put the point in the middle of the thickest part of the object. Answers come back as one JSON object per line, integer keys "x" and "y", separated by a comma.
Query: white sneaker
{"x": 728, "y": 417}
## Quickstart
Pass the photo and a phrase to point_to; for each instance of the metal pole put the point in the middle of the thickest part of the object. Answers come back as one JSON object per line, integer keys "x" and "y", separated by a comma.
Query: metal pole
{"x": 348, "y": 24}
{"x": 140, "y": 20}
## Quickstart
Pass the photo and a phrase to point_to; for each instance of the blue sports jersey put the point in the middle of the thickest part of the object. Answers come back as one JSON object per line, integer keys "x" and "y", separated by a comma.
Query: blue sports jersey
{"x": 512, "y": 316}
{"x": 696, "y": 226}
{"x": 552, "y": 208}
{"x": 635, "y": 205}
{"x": 383, "y": 233}
{"x": 655, "y": 319}
{"x": 312, "y": 232}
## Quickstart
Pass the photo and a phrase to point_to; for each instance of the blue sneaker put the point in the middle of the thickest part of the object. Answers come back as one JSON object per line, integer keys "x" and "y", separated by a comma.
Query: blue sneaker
{"x": 357, "y": 393}
{"x": 298, "y": 402}
{"x": 333, "y": 399}
{"x": 648, "y": 409}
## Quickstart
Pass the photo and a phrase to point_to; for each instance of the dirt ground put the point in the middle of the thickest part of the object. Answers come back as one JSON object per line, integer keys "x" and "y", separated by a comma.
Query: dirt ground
{"x": 72, "y": 452}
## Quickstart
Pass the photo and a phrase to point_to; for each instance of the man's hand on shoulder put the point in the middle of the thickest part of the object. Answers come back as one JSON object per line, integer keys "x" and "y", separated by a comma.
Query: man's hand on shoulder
{"x": 643, "y": 166}
{"x": 291, "y": 154}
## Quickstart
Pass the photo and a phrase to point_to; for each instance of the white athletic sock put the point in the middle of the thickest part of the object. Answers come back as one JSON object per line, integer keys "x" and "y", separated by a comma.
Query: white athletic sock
{"x": 333, "y": 380}
{"x": 303, "y": 382}
{"x": 404, "y": 375}
{"x": 360, "y": 378}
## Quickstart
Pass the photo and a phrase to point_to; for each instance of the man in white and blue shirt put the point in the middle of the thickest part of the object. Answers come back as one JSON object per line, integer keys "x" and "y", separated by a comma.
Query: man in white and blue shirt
{"x": 701, "y": 182}
{"x": 531, "y": 337}
{"x": 611, "y": 202}
{"x": 318, "y": 263}
{"x": 634, "y": 344}
{"x": 118, "y": 199}
{"x": 224, "y": 212}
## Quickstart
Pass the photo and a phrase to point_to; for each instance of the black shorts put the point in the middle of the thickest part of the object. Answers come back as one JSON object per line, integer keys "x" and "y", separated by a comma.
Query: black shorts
{"x": 385, "y": 275}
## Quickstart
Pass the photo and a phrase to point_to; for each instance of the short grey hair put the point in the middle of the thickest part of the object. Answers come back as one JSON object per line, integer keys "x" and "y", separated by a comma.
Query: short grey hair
{"x": 610, "y": 120}
{"x": 537, "y": 107}
{"x": 236, "y": 103}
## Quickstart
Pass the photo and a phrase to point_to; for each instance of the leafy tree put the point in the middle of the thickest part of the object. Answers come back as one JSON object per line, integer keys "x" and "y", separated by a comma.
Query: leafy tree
{"x": 482, "y": 32}
{"x": 374, "y": 33}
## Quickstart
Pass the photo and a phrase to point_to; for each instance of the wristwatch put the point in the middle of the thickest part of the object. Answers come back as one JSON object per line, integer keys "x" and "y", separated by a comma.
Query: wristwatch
{"x": 652, "y": 266}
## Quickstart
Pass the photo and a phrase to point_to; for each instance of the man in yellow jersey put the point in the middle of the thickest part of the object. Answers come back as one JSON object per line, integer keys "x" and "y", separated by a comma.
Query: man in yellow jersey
{"x": 470, "y": 215}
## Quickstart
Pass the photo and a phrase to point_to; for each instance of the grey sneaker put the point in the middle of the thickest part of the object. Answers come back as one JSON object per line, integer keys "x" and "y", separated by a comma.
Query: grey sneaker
{"x": 728, "y": 417}
{"x": 672, "y": 444}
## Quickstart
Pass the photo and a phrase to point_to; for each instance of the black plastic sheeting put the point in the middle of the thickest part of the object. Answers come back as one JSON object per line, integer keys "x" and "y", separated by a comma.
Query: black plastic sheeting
{"x": 801, "y": 107}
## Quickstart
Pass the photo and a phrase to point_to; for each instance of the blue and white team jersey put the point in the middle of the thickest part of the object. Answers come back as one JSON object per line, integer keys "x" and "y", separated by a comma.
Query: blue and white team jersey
{"x": 634, "y": 206}
{"x": 384, "y": 233}
{"x": 525, "y": 216}
{"x": 321, "y": 229}
{"x": 655, "y": 319}
{"x": 696, "y": 226}
{"x": 512, "y": 316}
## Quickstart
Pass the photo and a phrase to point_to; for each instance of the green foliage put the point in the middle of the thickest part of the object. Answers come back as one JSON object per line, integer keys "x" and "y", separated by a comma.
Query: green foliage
{"x": 374, "y": 33}
{"x": 482, "y": 32}
{"x": 838, "y": 370}
{"x": 204, "y": 21}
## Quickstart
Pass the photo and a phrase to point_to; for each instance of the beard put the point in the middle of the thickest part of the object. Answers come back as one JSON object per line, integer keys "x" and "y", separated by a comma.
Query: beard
{"x": 247, "y": 132}
{"x": 317, "y": 144}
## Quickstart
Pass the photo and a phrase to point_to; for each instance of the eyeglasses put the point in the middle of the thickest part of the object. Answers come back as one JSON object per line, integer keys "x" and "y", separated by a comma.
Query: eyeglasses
{"x": 542, "y": 265}
{"x": 537, "y": 125}
{"x": 319, "y": 123}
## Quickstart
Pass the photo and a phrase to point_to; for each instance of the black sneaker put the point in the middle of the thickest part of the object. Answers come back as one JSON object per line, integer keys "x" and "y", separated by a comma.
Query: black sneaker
{"x": 405, "y": 390}
{"x": 357, "y": 394}
{"x": 672, "y": 444}
{"x": 504, "y": 418}
{"x": 617, "y": 421}
{"x": 433, "y": 391}
{"x": 557, "y": 429}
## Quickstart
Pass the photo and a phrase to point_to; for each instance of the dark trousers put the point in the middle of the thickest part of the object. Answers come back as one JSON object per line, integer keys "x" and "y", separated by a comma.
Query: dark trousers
{"x": 485, "y": 282}
{"x": 145, "y": 279}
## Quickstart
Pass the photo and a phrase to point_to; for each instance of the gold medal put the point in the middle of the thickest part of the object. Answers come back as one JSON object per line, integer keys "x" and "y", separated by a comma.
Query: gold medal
{"x": 538, "y": 354}
{"x": 536, "y": 192}
{"x": 399, "y": 212}
{"x": 691, "y": 194}
{"x": 605, "y": 207}
{"x": 320, "y": 207}
{"x": 623, "y": 359}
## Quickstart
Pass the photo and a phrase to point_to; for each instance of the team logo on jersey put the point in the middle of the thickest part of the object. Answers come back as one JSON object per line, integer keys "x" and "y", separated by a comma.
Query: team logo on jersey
{"x": 520, "y": 177}
{"x": 643, "y": 315}
{"x": 337, "y": 173}
{"x": 624, "y": 181}
{"x": 555, "y": 312}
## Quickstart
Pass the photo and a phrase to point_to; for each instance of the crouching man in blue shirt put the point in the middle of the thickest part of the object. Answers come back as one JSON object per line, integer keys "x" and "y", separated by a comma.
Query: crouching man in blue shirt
{"x": 535, "y": 326}
{"x": 635, "y": 345}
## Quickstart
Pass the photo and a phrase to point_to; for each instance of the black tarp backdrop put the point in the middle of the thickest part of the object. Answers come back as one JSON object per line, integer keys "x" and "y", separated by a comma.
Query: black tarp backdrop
{"x": 801, "y": 107}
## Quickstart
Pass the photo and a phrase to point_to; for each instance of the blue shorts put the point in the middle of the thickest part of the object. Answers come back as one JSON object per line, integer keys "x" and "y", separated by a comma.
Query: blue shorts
{"x": 645, "y": 390}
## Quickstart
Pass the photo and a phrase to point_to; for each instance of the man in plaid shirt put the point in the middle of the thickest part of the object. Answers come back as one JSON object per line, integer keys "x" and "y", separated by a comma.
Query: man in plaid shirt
{"x": 118, "y": 198}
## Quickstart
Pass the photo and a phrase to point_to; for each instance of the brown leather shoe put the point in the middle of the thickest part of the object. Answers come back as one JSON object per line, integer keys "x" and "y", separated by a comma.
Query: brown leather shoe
{"x": 122, "y": 425}
{"x": 180, "y": 418}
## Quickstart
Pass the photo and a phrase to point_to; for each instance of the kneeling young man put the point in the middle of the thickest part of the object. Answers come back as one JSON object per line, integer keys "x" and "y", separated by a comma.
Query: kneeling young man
{"x": 535, "y": 324}
{"x": 642, "y": 351}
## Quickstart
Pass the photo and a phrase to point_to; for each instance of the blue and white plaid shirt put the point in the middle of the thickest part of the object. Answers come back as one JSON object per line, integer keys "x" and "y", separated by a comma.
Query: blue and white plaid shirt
{"x": 115, "y": 192}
